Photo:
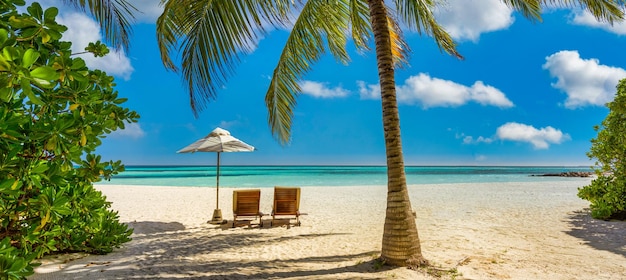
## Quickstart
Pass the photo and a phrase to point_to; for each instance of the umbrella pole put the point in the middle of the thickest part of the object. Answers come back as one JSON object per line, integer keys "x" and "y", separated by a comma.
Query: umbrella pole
{"x": 217, "y": 185}
{"x": 217, "y": 213}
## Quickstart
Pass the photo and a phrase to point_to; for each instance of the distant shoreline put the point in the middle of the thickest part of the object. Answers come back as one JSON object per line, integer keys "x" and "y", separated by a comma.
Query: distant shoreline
{"x": 567, "y": 174}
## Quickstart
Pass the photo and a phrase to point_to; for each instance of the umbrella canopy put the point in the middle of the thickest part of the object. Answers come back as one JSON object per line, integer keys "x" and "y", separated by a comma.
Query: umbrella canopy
{"x": 218, "y": 141}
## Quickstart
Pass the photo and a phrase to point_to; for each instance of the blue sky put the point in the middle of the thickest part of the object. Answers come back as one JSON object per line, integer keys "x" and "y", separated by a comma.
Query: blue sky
{"x": 525, "y": 94}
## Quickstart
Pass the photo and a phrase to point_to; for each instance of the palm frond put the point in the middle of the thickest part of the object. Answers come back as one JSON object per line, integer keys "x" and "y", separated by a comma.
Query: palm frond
{"x": 418, "y": 15}
{"x": 211, "y": 36}
{"x": 168, "y": 32}
{"x": 360, "y": 23}
{"x": 399, "y": 47}
{"x": 609, "y": 11}
{"x": 530, "y": 9}
{"x": 115, "y": 18}
{"x": 319, "y": 20}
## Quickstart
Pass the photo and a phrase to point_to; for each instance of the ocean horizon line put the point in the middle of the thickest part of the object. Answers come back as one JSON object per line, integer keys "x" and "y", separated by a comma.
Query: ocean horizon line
{"x": 352, "y": 165}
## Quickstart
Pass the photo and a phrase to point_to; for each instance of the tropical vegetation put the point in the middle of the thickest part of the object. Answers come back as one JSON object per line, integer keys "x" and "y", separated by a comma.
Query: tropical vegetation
{"x": 607, "y": 192}
{"x": 54, "y": 111}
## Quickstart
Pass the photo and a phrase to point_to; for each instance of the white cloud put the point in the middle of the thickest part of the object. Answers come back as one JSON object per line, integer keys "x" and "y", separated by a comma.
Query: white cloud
{"x": 539, "y": 138}
{"x": 466, "y": 20}
{"x": 81, "y": 31}
{"x": 470, "y": 140}
{"x": 229, "y": 124}
{"x": 433, "y": 92}
{"x": 585, "y": 81}
{"x": 587, "y": 19}
{"x": 131, "y": 130}
{"x": 488, "y": 95}
{"x": 320, "y": 90}
{"x": 368, "y": 91}
{"x": 148, "y": 10}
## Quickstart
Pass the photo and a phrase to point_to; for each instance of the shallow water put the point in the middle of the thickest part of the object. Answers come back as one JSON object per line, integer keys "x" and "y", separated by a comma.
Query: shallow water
{"x": 269, "y": 176}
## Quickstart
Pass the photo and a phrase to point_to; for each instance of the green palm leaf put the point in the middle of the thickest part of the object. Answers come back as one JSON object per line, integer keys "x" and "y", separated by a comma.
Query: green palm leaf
{"x": 609, "y": 11}
{"x": 115, "y": 18}
{"x": 418, "y": 15}
{"x": 530, "y": 9}
{"x": 360, "y": 24}
{"x": 319, "y": 21}
{"x": 212, "y": 35}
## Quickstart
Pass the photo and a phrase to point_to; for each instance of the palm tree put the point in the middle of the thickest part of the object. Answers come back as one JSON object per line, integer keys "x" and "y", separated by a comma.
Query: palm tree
{"x": 401, "y": 245}
{"x": 212, "y": 35}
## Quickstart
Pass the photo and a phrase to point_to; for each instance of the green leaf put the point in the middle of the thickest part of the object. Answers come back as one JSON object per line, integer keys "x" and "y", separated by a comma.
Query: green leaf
{"x": 26, "y": 87}
{"x": 62, "y": 210}
{"x": 4, "y": 64}
{"x": 120, "y": 100}
{"x": 22, "y": 22}
{"x": 78, "y": 63}
{"x": 30, "y": 56}
{"x": 6, "y": 94}
{"x": 45, "y": 37}
{"x": 45, "y": 73}
{"x": 7, "y": 184}
{"x": 51, "y": 144}
{"x": 40, "y": 169}
{"x": 50, "y": 14}
{"x": 54, "y": 34}
{"x": 10, "y": 53}
{"x": 4, "y": 36}
{"x": 36, "y": 11}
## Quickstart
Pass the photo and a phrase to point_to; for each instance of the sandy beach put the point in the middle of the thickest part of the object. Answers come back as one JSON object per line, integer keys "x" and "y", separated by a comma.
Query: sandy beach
{"x": 477, "y": 231}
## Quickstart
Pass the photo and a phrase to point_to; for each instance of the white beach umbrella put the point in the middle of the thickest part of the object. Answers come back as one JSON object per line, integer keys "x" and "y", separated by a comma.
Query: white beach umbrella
{"x": 218, "y": 141}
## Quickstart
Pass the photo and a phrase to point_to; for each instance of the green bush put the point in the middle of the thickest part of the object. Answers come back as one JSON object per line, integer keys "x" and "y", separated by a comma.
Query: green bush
{"x": 607, "y": 193}
{"x": 54, "y": 111}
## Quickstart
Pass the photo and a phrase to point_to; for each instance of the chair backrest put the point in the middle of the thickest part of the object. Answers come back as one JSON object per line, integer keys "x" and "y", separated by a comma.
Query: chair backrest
{"x": 246, "y": 202}
{"x": 286, "y": 200}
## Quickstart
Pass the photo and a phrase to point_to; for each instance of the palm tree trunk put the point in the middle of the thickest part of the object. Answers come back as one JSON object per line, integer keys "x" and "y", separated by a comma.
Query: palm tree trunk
{"x": 401, "y": 244}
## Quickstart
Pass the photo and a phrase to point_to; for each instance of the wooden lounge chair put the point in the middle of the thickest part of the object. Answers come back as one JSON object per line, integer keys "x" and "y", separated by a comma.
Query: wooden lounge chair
{"x": 246, "y": 205}
{"x": 286, "y": 204}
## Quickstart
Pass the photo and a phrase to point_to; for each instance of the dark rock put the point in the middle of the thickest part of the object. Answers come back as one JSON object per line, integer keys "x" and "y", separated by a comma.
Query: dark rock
{"x": 568, "y": 174}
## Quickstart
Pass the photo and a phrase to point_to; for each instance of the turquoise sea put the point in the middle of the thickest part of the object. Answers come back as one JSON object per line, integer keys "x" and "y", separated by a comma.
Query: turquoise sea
{"x": 269, "y": 176}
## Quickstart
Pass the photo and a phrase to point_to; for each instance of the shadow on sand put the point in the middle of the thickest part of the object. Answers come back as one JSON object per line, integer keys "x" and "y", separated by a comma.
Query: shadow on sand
{"x": 155, "y": 227}
{"x": 175, "y": 252}
{"x": 599, "y": 234}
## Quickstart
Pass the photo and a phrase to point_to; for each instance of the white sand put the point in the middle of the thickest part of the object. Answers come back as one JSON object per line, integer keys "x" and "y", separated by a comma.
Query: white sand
{"x": 485, "y": 231}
